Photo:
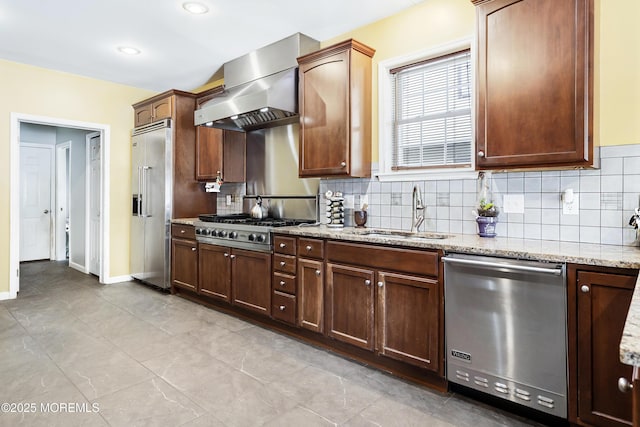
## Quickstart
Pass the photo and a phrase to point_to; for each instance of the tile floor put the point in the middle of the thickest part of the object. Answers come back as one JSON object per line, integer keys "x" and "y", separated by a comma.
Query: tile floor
{"x": 143, "y": 358}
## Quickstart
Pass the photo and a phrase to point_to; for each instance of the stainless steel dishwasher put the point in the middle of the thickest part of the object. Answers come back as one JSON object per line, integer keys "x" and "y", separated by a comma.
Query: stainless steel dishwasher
{"x": 506, "y": 329}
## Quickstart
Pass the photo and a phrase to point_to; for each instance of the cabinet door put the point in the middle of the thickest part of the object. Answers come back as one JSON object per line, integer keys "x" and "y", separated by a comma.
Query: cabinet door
{"x": 234, "y": 156}
{"x": 251, "y": 280}
{"x": 162, "y": 109}
{"x": 408, "y": 313}
{"x": 534, "y": 83}
{"x": 142, "y": 115}
{"x": 603, "y": 302}
{"x": 209, "y": 144}
{"x": 350, "y": 305}
{"x": 184, "y": 264}
{"x": 310, "y": 295}
{"x": 214, "y": 272}
{"x": 324, "y": 114}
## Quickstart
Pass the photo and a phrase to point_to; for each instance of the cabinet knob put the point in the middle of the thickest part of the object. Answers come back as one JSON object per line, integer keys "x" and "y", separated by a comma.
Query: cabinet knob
{"x": 380, "y": 284}
{"x": 232, "y": 256}
{"x": 480, "y": 153}
{"x": 367, "y": 282}
{"x": 343, "y": 164}
{"x": 282, "y": 245}
{"x": 282, "y": 263}
{"x": 317, "y": 272}
{"x": 308, "y": 248}
{"x": 182, "y": 231}
{"x": 282, "y": 307}
{"x": 193, "y": 249}
{"x": 282, "y": 283}
{"x": 624, "y": 385}
{"x": 226, "y": 254}
{"x": 584, "y": 288}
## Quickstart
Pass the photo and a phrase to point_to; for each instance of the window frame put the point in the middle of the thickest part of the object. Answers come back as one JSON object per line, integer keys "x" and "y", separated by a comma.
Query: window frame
{"x": 386, "y": 116}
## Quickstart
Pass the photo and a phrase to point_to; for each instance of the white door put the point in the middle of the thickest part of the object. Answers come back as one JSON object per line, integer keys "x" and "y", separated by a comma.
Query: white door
{"x": 62, "y": 202}
{"x": 94, "y": 204}
{"x": 35, "y": 202}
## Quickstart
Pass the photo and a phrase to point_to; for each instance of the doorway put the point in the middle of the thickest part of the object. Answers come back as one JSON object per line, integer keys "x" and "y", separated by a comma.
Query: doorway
{"x": 94, "y": 218}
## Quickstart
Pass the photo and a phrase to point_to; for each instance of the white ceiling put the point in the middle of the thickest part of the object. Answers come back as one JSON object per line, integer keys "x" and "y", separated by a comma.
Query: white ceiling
{"x": 179, "y": 50}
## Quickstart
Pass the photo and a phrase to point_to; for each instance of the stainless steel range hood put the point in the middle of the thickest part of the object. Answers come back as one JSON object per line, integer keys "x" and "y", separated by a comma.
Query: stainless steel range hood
{"x": 261, "y": 88}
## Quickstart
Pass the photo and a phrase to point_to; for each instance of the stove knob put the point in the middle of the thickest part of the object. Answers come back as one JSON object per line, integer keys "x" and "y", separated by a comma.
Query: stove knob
{"x": 233, "y": 235}
{"x": 260, "y": 238}
{"x": 222, "y": 233}
{"x": 198, "y": 230}
{"x": 206, "y": 232}
{"x": 252, "y": 237}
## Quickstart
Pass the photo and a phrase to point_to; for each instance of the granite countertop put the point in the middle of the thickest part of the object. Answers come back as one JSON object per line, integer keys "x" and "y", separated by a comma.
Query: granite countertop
{"x": 184, "y": 221}
{"x": 544, "y": 250}
{"x": 630, "y": 342}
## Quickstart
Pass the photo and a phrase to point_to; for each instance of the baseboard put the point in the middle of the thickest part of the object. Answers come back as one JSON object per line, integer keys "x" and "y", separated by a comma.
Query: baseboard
{"x": 117, "y": 279}
{"x": 7, "y": 295}
{"x": 78, "y": 267}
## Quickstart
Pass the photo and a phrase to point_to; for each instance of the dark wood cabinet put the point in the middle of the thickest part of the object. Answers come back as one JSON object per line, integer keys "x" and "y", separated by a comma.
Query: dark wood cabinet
{"x": 335, "y": 111}
{"x": 534, "y": 83}
{"x": 284, "y": 305}
{"x": 214, "y": 270}
{"x": 189, "y": 197}
{"x": 599, "y": 299}
{"x": 350, "y": 312}
{"x": 184, "y": 257}
{"x": 407, "y": 311}
{"x": 251, "y": 280}
{"x": 311, "y": 294}
{"x": 220, "y": 153}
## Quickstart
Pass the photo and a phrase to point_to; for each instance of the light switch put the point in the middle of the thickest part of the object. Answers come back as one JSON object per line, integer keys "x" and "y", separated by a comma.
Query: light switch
{"x": 228, "y": 199}
{"x": 348, "y": 201}
{"x": 513, "y": 203}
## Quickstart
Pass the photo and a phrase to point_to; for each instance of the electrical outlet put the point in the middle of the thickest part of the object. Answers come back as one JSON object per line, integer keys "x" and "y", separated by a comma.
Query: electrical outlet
{"x": 348, "y": 201}
{"x": 228, "y": 199}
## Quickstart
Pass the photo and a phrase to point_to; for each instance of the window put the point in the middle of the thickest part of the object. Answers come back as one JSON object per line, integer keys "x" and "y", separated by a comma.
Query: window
{"x": 426, "y": 113}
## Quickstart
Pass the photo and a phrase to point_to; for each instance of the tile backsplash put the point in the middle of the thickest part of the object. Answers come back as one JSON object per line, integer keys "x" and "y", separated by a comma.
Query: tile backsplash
{"x": 607, "y": 198}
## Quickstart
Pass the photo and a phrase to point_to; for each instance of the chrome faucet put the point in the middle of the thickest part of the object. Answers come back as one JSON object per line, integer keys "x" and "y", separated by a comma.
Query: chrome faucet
{"x": 418, "y": 210}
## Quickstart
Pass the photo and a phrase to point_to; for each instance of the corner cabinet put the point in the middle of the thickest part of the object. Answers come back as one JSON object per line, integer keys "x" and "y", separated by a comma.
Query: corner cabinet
{"x": 335, "y": 111}
{"x": 599, "y": 300}
{"x": 534, "y": 84}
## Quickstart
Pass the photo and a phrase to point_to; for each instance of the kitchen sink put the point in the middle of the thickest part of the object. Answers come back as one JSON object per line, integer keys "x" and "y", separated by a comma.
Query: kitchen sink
{"x": 400, "y": 234}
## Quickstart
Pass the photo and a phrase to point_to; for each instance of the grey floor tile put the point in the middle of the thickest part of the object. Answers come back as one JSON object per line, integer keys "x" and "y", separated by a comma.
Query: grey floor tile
{"x": 206, "y": 420}
{"x": 22, "y": 379}
{"x": 391, "y": 413}
{"x": 150, "y": 403}
{"x": 300, "y": 416}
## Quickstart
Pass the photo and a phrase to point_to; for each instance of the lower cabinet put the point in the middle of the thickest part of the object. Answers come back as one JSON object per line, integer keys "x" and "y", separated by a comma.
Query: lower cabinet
{"x": 311, "y": 294}
{"x": 350, "y": 293}
{"x": 184, "y": 264}
{"x": 237, "y": 276}
{"x": 599, "y": 301}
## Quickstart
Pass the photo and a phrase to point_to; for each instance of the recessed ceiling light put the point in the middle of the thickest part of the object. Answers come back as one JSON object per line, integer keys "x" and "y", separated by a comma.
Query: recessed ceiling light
{"x": 128, "y": 50}
{"x": 195, "y": 8}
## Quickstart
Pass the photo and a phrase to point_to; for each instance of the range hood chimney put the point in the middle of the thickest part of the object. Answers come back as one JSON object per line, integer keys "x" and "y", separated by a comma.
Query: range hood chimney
{"x": 260, "y": 88}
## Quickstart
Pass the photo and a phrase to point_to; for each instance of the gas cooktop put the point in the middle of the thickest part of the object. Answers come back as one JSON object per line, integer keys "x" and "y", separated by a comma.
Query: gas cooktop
{"x": 246, "y": 219}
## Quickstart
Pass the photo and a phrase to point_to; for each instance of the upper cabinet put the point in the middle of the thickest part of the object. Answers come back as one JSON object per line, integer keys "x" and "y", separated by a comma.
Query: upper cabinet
{"x": 219, "y": 153}
{"x": 534, "y": 84}
{"x": 148, "y": 112}
{"x": 335, "y": 111}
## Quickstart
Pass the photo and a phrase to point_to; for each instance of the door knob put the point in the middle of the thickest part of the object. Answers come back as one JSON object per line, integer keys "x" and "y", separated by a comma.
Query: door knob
{"x": 46, "y": 211}
{"x": 624, "y": 385}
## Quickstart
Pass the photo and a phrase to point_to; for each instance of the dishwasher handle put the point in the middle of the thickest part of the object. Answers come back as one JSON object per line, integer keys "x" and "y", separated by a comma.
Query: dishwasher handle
{"x": 554, "y": 271}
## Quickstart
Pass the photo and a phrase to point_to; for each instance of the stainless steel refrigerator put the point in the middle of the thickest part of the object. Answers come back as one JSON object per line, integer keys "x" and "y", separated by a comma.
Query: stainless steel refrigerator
{"x": 151, "y": 189}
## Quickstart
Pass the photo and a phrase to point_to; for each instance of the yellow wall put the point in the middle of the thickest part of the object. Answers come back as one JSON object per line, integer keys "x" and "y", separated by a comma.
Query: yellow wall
{"x": 617, "y": 62}
{"x": 41, "y": 92}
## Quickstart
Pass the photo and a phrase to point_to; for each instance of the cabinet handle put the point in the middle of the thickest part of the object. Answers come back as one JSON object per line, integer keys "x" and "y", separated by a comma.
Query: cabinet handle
{"x": 309, "y": 248}
{"x": 624, "y": 385}
{"x": 181, "y": 231}
{"x": 193, "y": 249}
{"x": 367, "y": 282}
{"x": 343, "y": 164}
{"x": 480, "y": 153}
{"x": 380, "y": 284}
{"x": 282, "y": 283}
{"x": 282, "y": 245}
{"x": 318, "y": 273}
{"x": 282, "y": 263}
{"x": 282, "y": 307}
{"x": 584, "y": 288}
{"x": 232, "y": 256}
{"x": 226, "y": 254}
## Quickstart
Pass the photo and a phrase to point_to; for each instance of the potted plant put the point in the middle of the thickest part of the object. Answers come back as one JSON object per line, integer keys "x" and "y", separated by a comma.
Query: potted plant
{"x": 486, "y": 210}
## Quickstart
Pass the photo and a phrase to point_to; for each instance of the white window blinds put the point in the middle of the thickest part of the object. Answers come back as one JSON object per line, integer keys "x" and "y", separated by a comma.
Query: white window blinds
{"x": 432, "y": 113}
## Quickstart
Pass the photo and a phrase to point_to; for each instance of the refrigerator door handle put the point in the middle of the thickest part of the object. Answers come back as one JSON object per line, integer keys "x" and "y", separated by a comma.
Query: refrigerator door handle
{"x": 145, "y": 177}
{"x": 139, "y": 200}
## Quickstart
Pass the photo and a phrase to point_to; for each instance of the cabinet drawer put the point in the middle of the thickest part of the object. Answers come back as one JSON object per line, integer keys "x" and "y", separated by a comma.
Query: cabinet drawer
{"x": 183, "y": 231}
{"x": 311, "y": 248}
{"x": 284, "y": 245}
{"x": 423, "y": 263}
{"x": 284, "y": 283}
{"x": 284, "y": 307}
{"x": 284, "y": 263}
